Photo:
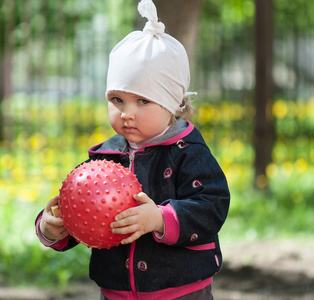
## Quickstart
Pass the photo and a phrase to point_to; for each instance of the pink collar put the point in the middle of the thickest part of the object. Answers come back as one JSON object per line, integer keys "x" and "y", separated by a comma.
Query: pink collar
{"x": 133, "y": 147}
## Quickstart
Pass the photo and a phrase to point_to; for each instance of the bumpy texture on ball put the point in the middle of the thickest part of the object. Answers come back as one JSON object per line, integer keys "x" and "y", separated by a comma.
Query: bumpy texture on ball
{"x": 91, "y": 196}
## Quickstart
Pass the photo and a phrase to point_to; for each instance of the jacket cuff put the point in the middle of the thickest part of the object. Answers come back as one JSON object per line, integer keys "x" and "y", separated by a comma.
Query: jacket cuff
{"x": 171, "y": 227}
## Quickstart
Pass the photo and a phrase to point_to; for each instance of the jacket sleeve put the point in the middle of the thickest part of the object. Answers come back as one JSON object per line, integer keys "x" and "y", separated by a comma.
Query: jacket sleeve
{"x": 202, "y": 200}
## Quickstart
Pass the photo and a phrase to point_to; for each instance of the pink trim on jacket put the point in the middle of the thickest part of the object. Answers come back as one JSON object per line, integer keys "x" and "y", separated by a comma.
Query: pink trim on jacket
{"x": 92, "y": 151}
{"x": 172, "y": 227}
{"x": 131, "y": 270}
{"x": 166, "y": 294}
{"x": 209, "y": 246}
{"x": 176, "y": 138}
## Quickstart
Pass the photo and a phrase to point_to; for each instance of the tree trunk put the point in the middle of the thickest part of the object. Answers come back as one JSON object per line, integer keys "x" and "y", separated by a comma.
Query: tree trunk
{"x": 2, "y": 94}
{"x": 6, "y": 28}
{"x": 263, "y": 122}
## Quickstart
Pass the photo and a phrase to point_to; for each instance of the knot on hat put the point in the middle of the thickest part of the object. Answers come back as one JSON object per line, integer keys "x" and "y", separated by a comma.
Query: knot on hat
{"x": 148, "y": 10}
{"x": 154, "y": 28}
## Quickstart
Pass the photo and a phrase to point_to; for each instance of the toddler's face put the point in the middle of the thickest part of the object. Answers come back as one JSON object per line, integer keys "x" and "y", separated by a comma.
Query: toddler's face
{"x": 135, "y": 117}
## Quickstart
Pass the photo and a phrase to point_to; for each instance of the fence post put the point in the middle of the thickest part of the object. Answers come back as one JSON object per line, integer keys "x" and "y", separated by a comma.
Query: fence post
{"x": 263, "y": 122}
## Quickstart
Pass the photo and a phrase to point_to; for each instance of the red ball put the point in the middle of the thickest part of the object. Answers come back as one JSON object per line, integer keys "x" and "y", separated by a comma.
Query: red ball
{"x": 91, "y": 196}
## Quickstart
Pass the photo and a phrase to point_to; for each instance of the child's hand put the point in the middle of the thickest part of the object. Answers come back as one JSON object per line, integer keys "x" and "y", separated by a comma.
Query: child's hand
{"x": 139, "y": 220}
{"x": 51, "y": 227}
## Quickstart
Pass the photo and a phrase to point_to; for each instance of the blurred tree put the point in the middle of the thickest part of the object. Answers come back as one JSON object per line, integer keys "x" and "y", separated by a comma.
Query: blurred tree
{"x": 298, "y": 14}
{"x": 7, "y": 13}
{"x": 181, "y": 19}
{"x": 263, "y": 121}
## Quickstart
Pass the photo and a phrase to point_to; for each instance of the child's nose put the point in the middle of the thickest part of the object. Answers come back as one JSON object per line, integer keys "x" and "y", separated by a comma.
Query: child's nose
{"x": 127, "y": 114}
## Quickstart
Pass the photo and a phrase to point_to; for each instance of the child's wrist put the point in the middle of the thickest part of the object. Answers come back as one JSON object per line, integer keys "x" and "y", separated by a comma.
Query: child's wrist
{"x": 160, "y": 228}
{"x": 49, "y": 240}
{"x": 44, "y": 236}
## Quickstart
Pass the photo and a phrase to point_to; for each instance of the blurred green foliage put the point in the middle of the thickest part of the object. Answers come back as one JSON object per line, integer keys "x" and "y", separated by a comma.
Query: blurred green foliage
{"x": 45, "y": 19}
{"x": 43, "y": 150}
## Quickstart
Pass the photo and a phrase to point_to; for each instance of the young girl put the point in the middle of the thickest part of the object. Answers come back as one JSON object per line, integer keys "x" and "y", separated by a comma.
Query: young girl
{"x": 173, "y": 250}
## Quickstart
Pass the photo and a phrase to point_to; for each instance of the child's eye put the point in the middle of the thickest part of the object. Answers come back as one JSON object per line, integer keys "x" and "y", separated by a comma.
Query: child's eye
{"x": 143, "y": 101}
{"x": 116, "y": 100}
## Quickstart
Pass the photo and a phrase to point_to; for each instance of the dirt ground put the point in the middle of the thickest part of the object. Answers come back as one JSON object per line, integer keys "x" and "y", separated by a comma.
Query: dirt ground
{"x": 262, "y": 270}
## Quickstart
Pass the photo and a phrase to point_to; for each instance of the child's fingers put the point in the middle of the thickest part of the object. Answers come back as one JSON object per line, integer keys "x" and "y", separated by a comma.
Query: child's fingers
{"x": 63, "y": 233}
{"x": 57, "y": 222}
{"x": 131, "y": 238}
{"x": 142, "y": 198}
{"x": 125, "y": 230}
{"x": 52, "y": 202}
{"x": 126, "y": 214}
{"x": 52, "y": 220}
{"x": 123, "y": 220}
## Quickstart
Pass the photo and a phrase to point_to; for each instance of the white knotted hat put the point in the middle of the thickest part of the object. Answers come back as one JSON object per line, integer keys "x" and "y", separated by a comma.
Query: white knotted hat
{"x": 150, "y": 63}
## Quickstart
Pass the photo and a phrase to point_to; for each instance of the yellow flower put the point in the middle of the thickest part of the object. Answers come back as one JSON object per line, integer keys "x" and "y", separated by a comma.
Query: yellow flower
{"x": 6, "y": 162}
{"x": 202, "y": 116}
{"x": 37, "y": 141}
{"x": 288, "y": 167}
{"x": 51, "y": 172}
{"x": 27, "y": 195}
{"x": 301, "y": 165}
{"x": 271, "y": 171}
{"x": 237, "y": 147}
{"x": 19, "y": 174}
{"x": 280, "y": 109}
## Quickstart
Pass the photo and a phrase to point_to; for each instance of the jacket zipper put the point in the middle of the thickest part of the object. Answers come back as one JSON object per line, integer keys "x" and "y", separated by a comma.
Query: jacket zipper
{"x": 132, "y": 249}
{"x": 131, "y": 160}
